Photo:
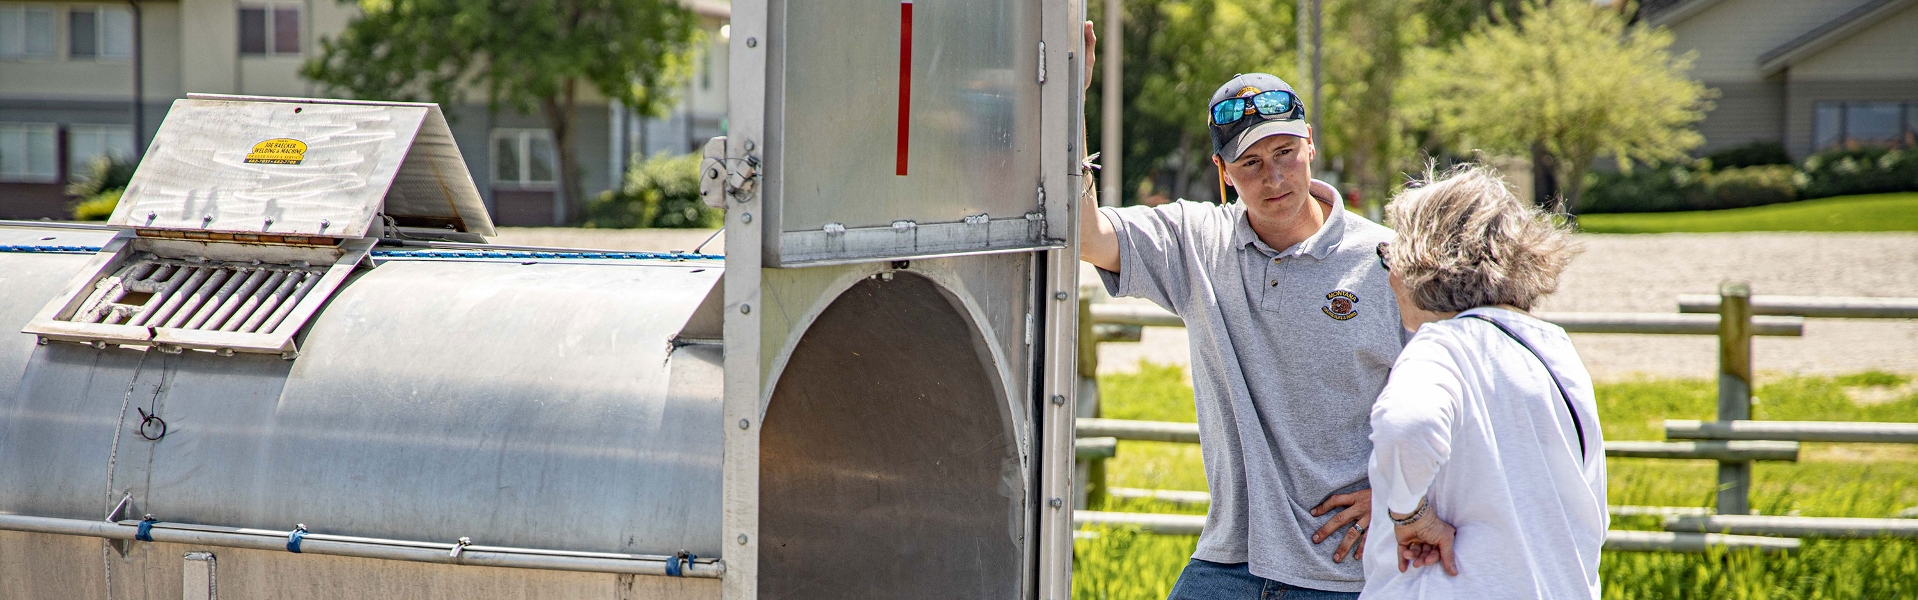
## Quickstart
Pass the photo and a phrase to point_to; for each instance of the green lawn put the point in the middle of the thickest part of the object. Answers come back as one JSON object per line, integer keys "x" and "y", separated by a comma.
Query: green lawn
{"x": 1854, "y": 480}
{"x": 1875, "y": 212}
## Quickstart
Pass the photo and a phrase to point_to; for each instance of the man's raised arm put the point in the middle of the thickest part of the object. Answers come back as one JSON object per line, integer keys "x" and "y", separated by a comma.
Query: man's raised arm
{"x": 1098, "y": 240}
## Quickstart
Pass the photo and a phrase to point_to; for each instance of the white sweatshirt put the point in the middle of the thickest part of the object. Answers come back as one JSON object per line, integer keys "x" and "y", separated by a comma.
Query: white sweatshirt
{"x": 1471, "y": 420}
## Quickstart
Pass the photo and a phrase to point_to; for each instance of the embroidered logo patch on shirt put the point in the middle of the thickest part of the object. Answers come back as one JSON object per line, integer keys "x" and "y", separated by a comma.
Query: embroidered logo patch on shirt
{"x": 1341, "y": 306}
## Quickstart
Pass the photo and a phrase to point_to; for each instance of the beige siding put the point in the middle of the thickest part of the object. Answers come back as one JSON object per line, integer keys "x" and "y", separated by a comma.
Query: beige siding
{"x": 1745, "y": 112}
{"x": 162, "y": 43}
{"x": 272, "y": 76}
{"x": 65, "y": 78}
{"x": 209, "y": 34}
{"x": 1886, "y": 50}
{"x": 1730, "y": 35}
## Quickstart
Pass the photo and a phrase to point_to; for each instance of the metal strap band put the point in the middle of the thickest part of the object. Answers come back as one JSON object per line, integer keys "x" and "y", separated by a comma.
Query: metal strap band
{"x": 293, "y": 539}
{"x": 672, "y": 564}
{"x": 51, "y": 249}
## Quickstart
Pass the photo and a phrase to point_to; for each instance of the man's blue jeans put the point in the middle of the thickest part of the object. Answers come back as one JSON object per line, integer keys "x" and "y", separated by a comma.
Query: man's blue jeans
{"x": 1206, "y": 580}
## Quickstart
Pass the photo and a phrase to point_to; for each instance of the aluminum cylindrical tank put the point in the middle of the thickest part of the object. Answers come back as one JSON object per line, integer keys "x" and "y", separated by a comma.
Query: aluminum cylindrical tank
{"x": 568, "y": 405}
{"x": 555, "y": 412}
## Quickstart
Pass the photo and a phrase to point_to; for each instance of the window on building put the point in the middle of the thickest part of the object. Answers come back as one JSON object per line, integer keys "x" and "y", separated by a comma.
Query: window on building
{"x": 104, "y": 32}
{"x": 1848, "y": 124}
{"x": 85, "y": 143}
{"x": 26, "y": 31}
{"x": 523, "y": 157}
{"x": 270, "y": 30}
{"x": 28, "y": 152}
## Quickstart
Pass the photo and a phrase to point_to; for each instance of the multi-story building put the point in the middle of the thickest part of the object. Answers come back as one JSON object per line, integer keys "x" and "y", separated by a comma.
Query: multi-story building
{"x": 73, "y": 73}
{"x": 1809, "y": 74}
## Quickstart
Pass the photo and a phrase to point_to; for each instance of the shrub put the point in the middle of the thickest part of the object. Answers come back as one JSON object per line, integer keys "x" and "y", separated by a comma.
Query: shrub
{"x": 1862, "y": 170}
{"x": 1648, "y": 188}
{"x": 1667, "y": 188}
{"x": 98, "y": 207}
{"x": 99, "y": 189}
{"x": 660, "y": 191}
{"x": 1741, "y": 187}
{"x": 1755, "y": 154}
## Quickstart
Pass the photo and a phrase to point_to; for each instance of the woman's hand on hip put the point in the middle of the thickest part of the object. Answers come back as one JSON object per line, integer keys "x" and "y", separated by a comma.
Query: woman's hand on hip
{"x": 1426, "y": 541}
{"x": 1355, "y": 512}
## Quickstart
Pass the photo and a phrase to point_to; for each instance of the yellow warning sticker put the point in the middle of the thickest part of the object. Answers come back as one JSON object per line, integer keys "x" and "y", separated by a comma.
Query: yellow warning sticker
{"x": 277, "y": 151}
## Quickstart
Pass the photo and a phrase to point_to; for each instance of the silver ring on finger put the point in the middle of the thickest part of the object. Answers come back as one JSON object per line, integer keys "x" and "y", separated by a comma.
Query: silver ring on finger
{"x": 1357, "y": 529}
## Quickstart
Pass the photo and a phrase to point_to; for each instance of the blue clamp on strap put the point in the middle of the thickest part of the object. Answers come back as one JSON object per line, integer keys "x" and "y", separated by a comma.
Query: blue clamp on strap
{"x": 145, "y": 534}
{"x": 293, "y": 539}
{"x": 672, "y": 564}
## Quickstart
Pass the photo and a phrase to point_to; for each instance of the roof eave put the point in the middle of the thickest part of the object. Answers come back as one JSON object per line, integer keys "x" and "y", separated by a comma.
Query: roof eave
{"x": 1827, "y": 35}
{"x": 1678, "y": 12}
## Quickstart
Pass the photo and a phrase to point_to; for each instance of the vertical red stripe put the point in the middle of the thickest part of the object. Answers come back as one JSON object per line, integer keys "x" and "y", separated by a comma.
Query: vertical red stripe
{"x": 905, "y": 83}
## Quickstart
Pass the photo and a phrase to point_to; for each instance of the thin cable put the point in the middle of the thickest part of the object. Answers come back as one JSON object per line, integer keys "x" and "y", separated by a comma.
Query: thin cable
{"x": 709, "y": 240}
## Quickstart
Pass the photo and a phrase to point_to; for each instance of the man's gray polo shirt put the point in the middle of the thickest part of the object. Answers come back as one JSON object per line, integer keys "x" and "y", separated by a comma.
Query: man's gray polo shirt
{"x": 1289, "y": 350}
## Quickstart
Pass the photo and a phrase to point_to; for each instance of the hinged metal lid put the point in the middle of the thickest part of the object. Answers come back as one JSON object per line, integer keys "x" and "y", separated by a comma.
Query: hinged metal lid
{"x": 301, "y": 166}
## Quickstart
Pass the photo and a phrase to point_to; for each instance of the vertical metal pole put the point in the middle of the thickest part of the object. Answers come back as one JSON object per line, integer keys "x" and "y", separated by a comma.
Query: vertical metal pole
{"x": 139, "y": 84}
{"x": 1062, "y": 125}
{"x": 1318, "y": 62}
{"x": 1303, "y": 18}
{"x": 1111, "y": 154}
{"x": 739, "y": 469}
{"x": 1092, "y": 471}
{"x": 1734, "y": 388}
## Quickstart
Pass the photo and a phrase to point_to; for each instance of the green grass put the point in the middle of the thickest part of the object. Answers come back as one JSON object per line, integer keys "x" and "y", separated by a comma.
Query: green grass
{"x": 1851, "y": 480}
{"x": 1875, "y": 212}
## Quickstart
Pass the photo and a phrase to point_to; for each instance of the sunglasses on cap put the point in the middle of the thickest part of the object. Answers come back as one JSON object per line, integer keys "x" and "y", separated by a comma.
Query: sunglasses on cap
{"x": 1271, "y": 103}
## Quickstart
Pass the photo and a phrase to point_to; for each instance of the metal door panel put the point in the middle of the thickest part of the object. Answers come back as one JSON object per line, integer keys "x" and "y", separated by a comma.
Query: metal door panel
{"x": 970, "y": 182}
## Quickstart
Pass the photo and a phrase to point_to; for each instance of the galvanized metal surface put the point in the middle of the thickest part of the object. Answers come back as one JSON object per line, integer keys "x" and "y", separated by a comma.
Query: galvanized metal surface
{"x": 1812, "y": 306}
{"x": 1693, "y": 543}
{"x": 1654, "y": 323}
{"x": 843, "y": 181}
{"x": 459, "y": 552}
{"x": 1800, "y": 431}
{"x": 1095, "y": 447}
{"x": 1151, "y": 431}
{"x": 1809, "y": 527}
{"x": 297, "y": 166}
{"x": 1615, "y": 540}
{"x": 930, "y": 462}
{"x": 79, "y": 567}
{"x": 1712, "y": 450}
{"x": 524, "y": 405}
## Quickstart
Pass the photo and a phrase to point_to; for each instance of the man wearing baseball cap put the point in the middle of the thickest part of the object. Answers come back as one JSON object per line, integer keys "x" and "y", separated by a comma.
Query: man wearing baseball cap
{"x": 1293, "y": 330}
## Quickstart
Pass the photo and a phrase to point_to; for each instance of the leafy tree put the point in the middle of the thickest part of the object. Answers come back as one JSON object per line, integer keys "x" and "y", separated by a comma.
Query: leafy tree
{"x": 1565, "y": 82}
{"x": 1176, "y": 53}
{"x": 533, "y": 56}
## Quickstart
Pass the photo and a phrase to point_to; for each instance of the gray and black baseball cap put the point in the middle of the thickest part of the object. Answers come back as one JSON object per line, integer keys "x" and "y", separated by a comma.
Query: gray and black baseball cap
{"x": 1231, "y": 139}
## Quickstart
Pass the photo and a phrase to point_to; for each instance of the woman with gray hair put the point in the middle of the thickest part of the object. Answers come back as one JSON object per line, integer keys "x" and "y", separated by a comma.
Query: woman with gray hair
{"x": 1486, "y": 454}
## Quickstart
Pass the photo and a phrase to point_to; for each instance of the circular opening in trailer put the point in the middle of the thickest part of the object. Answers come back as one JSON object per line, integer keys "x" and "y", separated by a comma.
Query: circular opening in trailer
{"x": 888, "y": 465}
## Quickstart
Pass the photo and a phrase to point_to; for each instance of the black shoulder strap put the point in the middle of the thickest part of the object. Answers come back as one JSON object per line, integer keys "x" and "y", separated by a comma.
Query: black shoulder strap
{"x": 1577, "y": 425}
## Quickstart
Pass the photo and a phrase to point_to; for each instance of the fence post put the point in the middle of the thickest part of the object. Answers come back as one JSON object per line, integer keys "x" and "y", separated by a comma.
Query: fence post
{"x": 1734, "y": 389}
{"x": 1092, "y": 472}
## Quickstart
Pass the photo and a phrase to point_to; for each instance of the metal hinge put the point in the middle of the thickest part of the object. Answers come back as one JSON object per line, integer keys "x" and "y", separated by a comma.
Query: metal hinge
{"x": 1042, "y": 62}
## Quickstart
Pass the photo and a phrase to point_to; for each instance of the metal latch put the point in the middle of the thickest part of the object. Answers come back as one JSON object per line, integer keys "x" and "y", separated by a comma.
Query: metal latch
{"x": 721, "y": 177}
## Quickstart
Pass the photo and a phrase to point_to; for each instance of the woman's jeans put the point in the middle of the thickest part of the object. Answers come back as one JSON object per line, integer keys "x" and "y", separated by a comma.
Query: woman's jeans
{"x": 1206, "y": 580}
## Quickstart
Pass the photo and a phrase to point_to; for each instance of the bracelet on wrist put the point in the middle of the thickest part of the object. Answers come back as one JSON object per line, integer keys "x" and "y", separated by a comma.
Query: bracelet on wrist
{"x": 1418, "y": 513}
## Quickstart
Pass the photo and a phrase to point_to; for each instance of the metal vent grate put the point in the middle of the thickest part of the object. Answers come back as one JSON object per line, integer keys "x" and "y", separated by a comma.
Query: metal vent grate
{"x": 171, "y": 293}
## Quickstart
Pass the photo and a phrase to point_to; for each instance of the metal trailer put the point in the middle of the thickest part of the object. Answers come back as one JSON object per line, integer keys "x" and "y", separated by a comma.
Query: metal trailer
{"x": 286, "y": 369}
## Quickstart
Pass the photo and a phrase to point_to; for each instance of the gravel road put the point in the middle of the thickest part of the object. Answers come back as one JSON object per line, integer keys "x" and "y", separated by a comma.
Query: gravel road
{"x": 1646, "y": 273}
{"x": 1616, "y": 273}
